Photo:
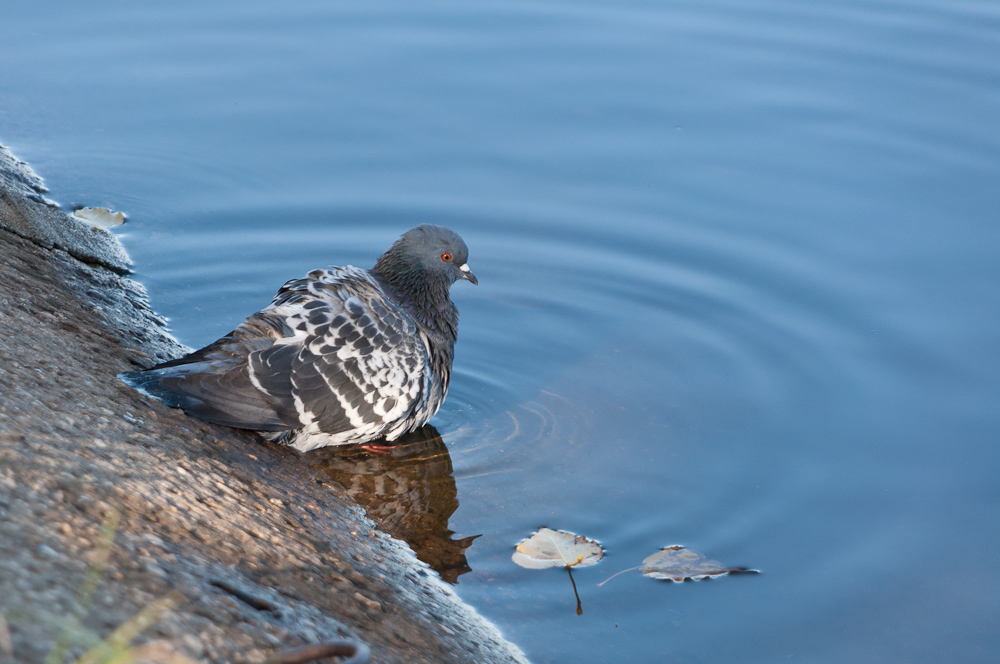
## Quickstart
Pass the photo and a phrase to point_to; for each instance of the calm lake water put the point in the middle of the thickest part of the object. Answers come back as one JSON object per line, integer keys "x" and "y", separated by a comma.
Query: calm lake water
{"x": 739, "y": 267}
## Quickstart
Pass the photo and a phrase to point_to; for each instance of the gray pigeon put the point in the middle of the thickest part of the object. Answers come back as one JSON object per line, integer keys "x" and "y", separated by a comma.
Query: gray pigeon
{"x": 344, "y": 355}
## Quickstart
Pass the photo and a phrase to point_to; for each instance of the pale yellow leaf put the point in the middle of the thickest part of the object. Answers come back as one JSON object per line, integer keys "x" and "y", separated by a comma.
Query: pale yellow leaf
{"x": 100, "y": 217}
{"x": 557, "y": 548}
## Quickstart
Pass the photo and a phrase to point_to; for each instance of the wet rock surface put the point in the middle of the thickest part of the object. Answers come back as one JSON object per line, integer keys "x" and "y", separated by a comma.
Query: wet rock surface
{"x": 267, "y": 552}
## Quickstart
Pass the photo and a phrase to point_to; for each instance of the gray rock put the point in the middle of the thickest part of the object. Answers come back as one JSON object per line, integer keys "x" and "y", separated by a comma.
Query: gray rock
{"x": 23, "y": 210}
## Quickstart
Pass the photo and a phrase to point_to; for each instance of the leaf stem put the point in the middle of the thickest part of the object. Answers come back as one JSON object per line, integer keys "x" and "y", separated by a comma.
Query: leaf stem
{"x": 614, "y": 575}
{"x": 579, "y": 605}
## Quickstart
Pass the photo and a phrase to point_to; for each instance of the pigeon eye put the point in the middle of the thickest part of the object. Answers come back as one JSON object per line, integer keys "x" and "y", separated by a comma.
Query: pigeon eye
{"x": 446, "y": 257}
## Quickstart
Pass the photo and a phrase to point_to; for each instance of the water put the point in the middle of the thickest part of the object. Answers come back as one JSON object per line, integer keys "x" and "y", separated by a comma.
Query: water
{"x": 738, "y": 267}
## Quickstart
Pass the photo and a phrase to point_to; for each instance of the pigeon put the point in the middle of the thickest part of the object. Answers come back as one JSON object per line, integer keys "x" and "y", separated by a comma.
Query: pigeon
{"x": 342, "y": 356}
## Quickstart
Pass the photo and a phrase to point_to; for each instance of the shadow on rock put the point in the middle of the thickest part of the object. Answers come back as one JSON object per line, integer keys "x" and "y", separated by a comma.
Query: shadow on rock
{"x": 408, "y": 491}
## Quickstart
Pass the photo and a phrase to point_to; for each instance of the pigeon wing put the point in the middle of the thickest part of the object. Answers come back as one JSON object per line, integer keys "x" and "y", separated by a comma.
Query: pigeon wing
{"x": 355, "y": 364}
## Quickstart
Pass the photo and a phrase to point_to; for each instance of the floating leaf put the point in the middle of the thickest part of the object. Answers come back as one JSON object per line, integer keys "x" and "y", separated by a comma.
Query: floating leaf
{"x": 675, "y": 563}
{"x": 100, "y": 217}
{"x": 557, "y": 548}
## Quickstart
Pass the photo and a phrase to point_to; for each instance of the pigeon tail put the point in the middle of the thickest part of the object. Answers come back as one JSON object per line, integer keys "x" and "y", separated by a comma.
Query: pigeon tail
{"x": 218, "y": 398}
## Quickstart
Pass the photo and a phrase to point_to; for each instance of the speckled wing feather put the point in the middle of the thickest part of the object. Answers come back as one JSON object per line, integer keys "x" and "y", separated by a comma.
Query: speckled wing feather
{"x": 355, "y": 366}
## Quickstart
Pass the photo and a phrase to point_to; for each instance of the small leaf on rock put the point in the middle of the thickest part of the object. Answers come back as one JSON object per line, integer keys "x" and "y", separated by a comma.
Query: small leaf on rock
{"x": 557, "y": 548}
{"x": 675, "y": 563}
{"x": 100, "y": 217}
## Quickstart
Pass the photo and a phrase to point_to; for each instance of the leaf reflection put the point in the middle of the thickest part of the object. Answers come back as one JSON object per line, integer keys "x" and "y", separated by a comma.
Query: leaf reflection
{"x": 408, "y": 491}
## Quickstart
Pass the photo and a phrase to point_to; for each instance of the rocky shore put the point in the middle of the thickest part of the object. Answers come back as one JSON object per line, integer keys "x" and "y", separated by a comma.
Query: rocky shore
{"x": 263, "y": 552}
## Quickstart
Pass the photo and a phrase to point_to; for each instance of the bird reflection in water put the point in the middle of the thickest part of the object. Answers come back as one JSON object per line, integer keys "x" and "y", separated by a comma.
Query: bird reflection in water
{"x": 408, "y": 491}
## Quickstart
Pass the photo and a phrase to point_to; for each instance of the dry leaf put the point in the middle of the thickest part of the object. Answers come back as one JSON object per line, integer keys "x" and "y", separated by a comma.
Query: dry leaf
{"x": 100, "y": 217}
{"x": 557, "y": 548}
{"x": 675, "y": 563}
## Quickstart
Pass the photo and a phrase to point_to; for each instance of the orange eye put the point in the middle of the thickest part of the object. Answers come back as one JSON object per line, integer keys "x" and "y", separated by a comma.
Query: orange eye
{"x": 446, "y": 257}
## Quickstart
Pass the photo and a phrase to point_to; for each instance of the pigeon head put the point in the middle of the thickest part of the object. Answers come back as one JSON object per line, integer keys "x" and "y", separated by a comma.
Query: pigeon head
{"x": 425, "y": 258}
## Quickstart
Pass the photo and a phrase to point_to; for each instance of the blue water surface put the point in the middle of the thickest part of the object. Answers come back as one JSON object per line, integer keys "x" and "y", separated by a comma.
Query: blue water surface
{"x": 738, "y": 263}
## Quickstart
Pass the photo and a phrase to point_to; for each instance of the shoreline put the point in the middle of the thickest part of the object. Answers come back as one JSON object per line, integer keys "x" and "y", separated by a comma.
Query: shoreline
{"x": 266, "y": 552}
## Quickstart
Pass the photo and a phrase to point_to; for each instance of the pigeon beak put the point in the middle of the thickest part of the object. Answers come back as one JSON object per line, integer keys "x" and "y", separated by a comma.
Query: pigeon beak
{"x": 467, "y": 274}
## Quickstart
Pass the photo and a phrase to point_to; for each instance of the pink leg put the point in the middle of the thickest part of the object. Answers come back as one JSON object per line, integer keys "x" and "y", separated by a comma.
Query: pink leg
{"x": 376, "y": 449}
